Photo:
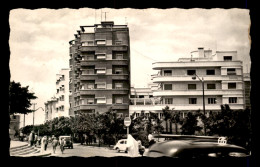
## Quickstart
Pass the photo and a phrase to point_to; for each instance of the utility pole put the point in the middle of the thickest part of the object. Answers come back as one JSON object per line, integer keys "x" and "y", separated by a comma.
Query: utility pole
{"x": 33, "y": 111}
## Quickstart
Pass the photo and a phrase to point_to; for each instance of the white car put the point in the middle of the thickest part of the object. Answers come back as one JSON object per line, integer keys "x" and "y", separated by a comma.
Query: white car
{"x": 121, "y": 145}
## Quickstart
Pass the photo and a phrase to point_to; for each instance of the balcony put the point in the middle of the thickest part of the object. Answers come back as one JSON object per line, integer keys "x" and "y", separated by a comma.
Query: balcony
{"x": 113, "y": 76}
{"x": 110, "y": 91}
{"x": 107, "y": 47}
{"x": 161, "y": 65}
{"x": 197, "y": 92}
{"x": 182, "y": 107}
{"x": 95, "y": 62}
{"x": 181, "y": 78}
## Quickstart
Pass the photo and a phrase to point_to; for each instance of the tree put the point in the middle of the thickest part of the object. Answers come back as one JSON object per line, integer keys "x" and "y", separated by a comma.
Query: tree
{"x": 20, "y": 99}
{"x": 167, "y": 115}
{"x": 175, "y": 118}
{"x": 190, "y": 124}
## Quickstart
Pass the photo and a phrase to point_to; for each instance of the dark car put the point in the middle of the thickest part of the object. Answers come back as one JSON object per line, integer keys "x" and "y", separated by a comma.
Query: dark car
{"x": 68, "y": 141}
{"x": 195, "y": 148}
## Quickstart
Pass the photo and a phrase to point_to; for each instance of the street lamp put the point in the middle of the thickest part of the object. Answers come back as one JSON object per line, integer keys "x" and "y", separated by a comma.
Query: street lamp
{"x": 35, "y": 110}
{"x": 203, "y": 99}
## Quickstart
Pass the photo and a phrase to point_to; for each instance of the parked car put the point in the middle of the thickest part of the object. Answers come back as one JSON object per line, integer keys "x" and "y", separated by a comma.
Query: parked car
{"x": 121, "y": 145}
{"x": 195, "y": 148}
{"x": 68, "y": 141}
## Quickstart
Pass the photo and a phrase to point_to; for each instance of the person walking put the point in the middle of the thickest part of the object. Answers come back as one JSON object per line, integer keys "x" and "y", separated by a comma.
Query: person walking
{"x": 46, "y": 143}
{"x": 132, "y": 146}
{"x": 62, "y": 143}
{"x": 54, "y": 144}
{"x": 31, "y": 138}
{"x": 43, "y": 141}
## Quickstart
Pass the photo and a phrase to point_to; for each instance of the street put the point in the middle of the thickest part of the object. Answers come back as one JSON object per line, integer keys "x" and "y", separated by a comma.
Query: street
{"x": 86, "y": 151}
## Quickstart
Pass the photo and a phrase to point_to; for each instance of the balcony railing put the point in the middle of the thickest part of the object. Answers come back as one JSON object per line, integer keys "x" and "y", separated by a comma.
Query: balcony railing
{"x": 197, "y": 92}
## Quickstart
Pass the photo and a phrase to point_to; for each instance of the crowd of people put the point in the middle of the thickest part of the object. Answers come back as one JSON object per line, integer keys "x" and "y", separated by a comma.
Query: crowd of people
{"x": 35, "y": 141}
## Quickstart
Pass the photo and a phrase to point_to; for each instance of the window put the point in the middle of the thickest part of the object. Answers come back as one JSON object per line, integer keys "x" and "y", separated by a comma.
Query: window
{"x": 118, "y": 42}
{"x": 90, "y": 86}
{"x": 167, "y": 86}
{"x": 118, "y": 85}
{"x": 168, "y": 101}
{"x": 232, "y": 100}
{"x": 88, "y": 71}
{"x": 137, "y": 114}
{"x": 119, "y": 100}
{"x": 227, "y": 58}
{"x": 191, "y": 86}
{"x": 87, "y": 43}
{"x": 119, "y": 56}
{"x": 90, "y": 57}
{"x": 101, "y": 42}
{"x": 101, "y": 100}
{"x": 161, "y": 115}
{"x": 118, "y": 71}
{"x": 231, "y": 71}
{"x": 210, "y": 72}
{"x": 101, "y": 85}
{"x": 167, "y": 72}
{"x": 191, "y": 72}
{"x": 101, "y": 71}
{"x": 211, "y": 86}
{"x": 101, "y": 56}
{"x": 212, "y": 100}
{"x": 192, "y": 100}
{"x": 232, "y": 85}
{"x": 90, "y": 101}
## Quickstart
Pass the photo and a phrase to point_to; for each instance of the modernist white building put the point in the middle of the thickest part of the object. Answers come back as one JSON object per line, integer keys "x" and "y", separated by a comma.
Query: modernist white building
{"x": 58, "y": 105}
{"x": 62, "y": 93}
{"x": 222, "y": 74}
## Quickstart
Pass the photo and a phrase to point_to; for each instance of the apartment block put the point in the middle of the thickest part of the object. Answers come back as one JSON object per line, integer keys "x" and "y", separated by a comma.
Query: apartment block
{"x": 100, "y": 69}
{"x": 58, "y": 105}
{"x": 180, "y": 83}
{"x": 62, "y": 93}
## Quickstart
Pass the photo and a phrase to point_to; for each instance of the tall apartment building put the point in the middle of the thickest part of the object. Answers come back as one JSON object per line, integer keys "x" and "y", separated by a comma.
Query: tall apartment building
{"x": 223, "y": 81}
{"x": 100, "y": 69}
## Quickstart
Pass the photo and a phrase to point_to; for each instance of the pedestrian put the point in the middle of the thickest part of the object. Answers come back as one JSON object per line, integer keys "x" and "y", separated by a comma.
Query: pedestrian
{"x": 35, "y": 140}
{"x": 31, "y": 138}
{"x": 43, "y": 141}
{"x": 46, "y": 143}
{"x": 54, "y": 144}
{"x": 62, "y": 143}
{"x": 151, "y": 140}
{"x": 140, "y": 147}
{"x": 132, "y": 146}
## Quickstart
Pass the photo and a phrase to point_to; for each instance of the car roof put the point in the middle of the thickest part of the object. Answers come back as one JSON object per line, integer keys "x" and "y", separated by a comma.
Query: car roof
{"x": 166, "y": 147}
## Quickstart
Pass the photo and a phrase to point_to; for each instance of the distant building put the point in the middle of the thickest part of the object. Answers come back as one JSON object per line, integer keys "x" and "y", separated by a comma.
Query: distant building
{"x": 62, "y": 94}
{"x": 14, "y": 126}
{"x": 58, "y": 105}
{"x": 100, "y": 69}
{"x": 50, "y": 109}
{"x": 247, "y": 89}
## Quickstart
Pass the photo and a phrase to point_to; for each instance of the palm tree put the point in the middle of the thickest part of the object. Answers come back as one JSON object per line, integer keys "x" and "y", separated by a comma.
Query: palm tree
{"x": 167, "y": 116}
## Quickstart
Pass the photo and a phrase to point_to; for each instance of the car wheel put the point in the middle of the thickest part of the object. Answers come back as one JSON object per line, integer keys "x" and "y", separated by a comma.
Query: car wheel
{"x": 117, "y": 149}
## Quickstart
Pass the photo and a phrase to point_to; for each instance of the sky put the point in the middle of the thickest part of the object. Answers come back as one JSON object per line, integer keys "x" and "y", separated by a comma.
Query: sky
{"x": 39, "y": 41}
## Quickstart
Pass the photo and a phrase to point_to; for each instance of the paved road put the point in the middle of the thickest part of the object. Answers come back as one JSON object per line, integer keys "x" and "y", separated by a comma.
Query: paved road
{"x": 86, "y": 151}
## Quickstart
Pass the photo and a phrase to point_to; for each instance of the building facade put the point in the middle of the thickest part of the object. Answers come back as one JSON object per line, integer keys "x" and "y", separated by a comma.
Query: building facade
{"x": 247, "y": 86}
{"x": 50, "y": 109}
{"x": 62, "y": 93}
{"x": 176, "y": 85}
{"x": 100, "y": 69}
{"x": 58, "y": 105}
{"x": 180, "y": 83}
{"x": 14, "y": 126}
